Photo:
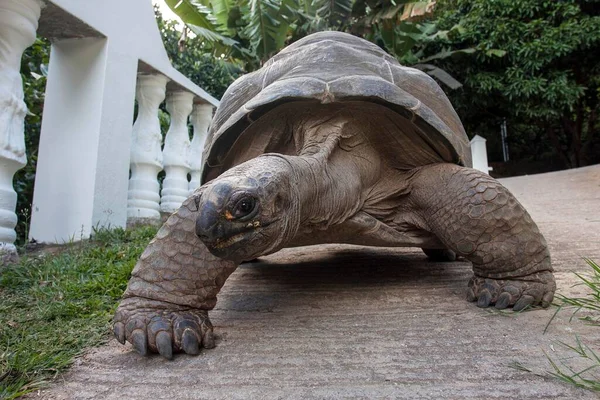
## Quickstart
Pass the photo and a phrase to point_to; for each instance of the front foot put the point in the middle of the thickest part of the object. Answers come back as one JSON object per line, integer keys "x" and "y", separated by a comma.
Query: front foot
{"x": 520, "y": 293}
{"x": 160, "y": 327}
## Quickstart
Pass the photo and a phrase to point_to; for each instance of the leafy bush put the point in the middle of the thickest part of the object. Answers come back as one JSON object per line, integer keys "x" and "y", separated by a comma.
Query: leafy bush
{"x": 190, "y": 56}
{"x": 536, "y": 67}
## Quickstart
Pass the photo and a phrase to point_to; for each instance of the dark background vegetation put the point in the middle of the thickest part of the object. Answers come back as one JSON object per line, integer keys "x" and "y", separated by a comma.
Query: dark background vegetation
{"x": 532, "y": 63}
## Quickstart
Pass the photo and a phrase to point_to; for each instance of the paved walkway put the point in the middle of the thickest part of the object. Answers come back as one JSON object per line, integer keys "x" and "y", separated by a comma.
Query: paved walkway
{"x": 345, "y": 322}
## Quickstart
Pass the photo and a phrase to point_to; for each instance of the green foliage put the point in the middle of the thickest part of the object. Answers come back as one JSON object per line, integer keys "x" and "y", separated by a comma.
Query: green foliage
{"x": 55, "y": 305}
{"x": 410, "y": 40}
{"x": 537, "y": 66}
{"x": 199, "y": 18}
{"x": 192, "y": 57}
{"x": 245, "y": 33}
{"x": 259, "y": 29}
{"x": 329, "y": 13}
{"x": 34, "y": 69}
{"x": 267, "y": 24}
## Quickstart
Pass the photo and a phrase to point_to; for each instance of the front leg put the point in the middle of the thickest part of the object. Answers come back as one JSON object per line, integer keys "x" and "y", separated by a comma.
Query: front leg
{"x": 172, "y": 287}
{"x": 479, "y": 219}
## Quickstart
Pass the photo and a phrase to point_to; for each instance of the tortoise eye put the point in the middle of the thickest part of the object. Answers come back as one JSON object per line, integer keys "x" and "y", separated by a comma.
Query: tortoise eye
{"x": 244, "y": 207}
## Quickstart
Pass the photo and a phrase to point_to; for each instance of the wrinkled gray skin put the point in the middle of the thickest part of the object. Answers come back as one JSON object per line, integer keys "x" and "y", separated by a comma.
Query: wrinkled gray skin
{"x": 328, "y": 172}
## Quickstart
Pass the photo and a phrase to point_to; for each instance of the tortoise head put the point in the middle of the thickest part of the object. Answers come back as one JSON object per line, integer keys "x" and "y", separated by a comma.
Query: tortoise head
{"x": 250, "y": 210}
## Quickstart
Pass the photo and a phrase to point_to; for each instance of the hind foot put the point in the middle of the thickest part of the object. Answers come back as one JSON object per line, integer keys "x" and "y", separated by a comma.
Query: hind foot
{"x": 520, "y": 293}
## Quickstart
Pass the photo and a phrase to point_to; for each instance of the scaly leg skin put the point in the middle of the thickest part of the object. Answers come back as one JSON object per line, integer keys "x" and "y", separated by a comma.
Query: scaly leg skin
{"x": 480, "y": 220}
{"x": 172, "y": 287}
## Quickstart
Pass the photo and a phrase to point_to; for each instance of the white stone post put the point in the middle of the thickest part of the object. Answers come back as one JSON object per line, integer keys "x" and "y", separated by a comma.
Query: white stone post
{"x": 175, "y": 153}
{"x": 146, "y": 156}
{"x": 201, "y": 117}
{"x": 82, "y": 172}
{"x": 18, "y": 25}
{"x": 479, "y": 153}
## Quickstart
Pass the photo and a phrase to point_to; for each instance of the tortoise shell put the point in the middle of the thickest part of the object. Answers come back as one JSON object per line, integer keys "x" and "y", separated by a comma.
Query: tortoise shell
{"x": 331, "y": 67}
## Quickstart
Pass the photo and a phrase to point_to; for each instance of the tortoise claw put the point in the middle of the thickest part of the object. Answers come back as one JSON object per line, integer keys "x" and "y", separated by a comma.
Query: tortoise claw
{"x": 189, "y": 342}
{"x": 547, "y": 300}
{"x": 524, "y": 302}
{"x": 471, "y": 296}
{"x": 139, "y": 342}
{"x": 485, "y": 298}
{"x": 163, "y": 344}
{"x": 503, "y": 301}
{"x": 209, "y": 340}
{"x": 119, "y": 332}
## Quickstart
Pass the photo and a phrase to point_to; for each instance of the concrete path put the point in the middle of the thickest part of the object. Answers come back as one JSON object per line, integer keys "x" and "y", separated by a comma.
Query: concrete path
{"x": 349, "y": 322}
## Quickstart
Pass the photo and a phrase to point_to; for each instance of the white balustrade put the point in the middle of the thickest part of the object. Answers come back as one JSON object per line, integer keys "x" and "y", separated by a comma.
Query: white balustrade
{"x": 18, "y": 25}
{"x": 479, "y": 154}
{"x": 146, "y": 156}
{"x": 82, "y": 181}
{"x": 201, "y": 117}
{"x": 175, "y": 153}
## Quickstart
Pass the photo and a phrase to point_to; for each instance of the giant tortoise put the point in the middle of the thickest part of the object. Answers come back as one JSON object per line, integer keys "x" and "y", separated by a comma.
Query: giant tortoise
{"x": 331, "y": 141}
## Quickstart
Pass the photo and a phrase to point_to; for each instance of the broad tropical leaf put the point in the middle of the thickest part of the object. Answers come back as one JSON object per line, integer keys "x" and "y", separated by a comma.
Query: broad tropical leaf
{"x": 440, "y": 74}
{"x": 335, "y": 12}
{"x": 266, "y": 27}
{"x": 417, "y": 10}
{"x": 448, "y": 53}
{"x": 211, "y": 36}
{"x": 200, "y": 20}
{"x": 193, "y": 12}
{"x": 221, "y": 10}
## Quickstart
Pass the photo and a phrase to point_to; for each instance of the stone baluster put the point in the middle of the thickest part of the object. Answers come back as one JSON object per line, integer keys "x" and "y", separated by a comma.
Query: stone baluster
{"x": 201, "y": 117}
{"x": 18, "y": 25}
{"x": 175, "y": 153}
{"x": 143, "y": 196}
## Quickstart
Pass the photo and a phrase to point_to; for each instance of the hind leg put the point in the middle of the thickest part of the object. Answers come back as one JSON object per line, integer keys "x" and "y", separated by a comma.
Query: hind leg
{"x": 480, "y": 220}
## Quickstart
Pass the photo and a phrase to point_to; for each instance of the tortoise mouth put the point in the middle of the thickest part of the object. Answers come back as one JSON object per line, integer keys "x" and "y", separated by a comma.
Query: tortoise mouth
{"x": 226, "y": 245}
{"x": 223, "y": 243}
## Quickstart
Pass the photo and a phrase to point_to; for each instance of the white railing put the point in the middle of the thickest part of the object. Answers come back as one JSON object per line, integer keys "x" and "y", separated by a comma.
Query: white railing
{"x": 176, "y": 152}
{"x": 146, "y": 155}
{"x": 100, "y": 49}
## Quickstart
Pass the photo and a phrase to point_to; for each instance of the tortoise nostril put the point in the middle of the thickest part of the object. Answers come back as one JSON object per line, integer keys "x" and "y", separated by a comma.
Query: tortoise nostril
{"x": 205, "y": 223}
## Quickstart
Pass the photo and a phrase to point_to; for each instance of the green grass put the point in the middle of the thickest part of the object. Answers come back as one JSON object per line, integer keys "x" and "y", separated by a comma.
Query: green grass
{"x": 591, "y": 302}
{"x": 54, "y": 306}
{"x": 585, "y": 377}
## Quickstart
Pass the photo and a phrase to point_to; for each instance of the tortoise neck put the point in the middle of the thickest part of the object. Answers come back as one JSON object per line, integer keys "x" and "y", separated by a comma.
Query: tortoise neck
{"x": 328, "y": 187}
